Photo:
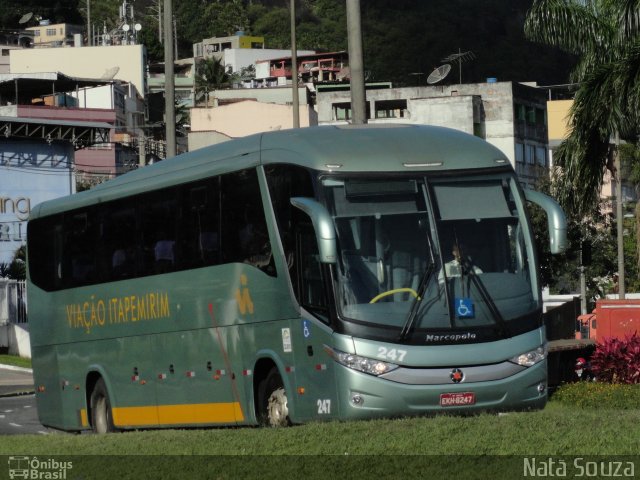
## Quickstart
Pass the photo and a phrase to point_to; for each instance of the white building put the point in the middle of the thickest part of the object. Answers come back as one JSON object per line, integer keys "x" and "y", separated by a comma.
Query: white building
{"x": 121, "y": 62}
{"x": 512, "y": 116}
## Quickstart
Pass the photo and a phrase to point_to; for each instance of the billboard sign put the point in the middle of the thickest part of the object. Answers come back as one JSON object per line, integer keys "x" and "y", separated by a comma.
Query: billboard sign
{"x": 30, "y": 173}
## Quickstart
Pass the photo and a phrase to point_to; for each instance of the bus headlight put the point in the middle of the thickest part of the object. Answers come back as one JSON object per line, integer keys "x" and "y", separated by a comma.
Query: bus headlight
{"x": 361, "y": 364}
{"x": 529, "y": 359}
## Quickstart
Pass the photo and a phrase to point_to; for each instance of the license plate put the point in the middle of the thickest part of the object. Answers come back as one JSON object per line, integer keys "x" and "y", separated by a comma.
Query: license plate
{"x": 457, "y": 399}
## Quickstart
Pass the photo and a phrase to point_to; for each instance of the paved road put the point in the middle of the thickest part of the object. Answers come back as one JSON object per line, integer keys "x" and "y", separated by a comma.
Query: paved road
{"x": 15, "y": 381}
{"x": 18, "y": 416}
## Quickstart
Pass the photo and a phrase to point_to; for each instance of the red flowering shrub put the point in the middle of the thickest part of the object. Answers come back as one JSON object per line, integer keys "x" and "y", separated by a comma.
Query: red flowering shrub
{"x": 617, "y": 360}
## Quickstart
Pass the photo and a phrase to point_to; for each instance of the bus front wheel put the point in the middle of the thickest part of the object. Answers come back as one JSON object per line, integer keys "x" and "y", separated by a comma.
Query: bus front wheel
{"x": 101, "y": 417}
{"x": 274, "y": 410}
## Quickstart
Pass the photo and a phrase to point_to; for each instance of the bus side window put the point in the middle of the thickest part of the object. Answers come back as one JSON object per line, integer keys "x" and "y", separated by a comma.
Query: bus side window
{"x": 159, "y": 218}
{"x": 81, "y": 239}
{"x": 119, "y": 233}
{"x": 245, "y": 237}
{"x": 312, "y": 293}
{"x": 201, "y": 225}
{"x": 287, "y": 181}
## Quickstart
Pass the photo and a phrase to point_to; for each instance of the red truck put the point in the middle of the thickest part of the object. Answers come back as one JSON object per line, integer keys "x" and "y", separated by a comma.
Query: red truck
{"x": 574, "y": 340}
{"x": 613, "y": 318}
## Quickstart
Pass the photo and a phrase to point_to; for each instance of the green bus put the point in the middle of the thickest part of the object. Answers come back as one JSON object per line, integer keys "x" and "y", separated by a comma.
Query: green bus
{"x": 341, "y": 272}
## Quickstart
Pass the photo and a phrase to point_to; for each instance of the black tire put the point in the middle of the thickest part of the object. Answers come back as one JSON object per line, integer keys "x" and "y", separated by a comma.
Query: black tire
{"x": 273, "y": 403}
{"x": 101, "y": 416}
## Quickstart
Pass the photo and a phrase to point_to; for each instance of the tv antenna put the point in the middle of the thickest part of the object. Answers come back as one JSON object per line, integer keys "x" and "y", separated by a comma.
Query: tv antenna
{"x": 439, "y": 74}
{"x": 25, "y": 18}
{"x": 417, "y": 75}
{"x": 460, "y": 57}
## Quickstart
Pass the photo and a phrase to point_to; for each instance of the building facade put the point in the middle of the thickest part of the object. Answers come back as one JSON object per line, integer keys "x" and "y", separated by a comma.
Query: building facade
{"x": 121, "y": 62}
{"x": 509, "y": 115}
{"x": 55, "y": 35}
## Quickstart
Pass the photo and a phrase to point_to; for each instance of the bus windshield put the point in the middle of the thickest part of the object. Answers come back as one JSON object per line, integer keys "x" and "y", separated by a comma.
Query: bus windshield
{"x": 438, "y": 261}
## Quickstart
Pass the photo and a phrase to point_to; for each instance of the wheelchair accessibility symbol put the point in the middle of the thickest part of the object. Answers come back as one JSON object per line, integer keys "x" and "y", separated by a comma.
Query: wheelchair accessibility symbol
{"x": 305, "y": 329}
{"x": 464, "y": 308}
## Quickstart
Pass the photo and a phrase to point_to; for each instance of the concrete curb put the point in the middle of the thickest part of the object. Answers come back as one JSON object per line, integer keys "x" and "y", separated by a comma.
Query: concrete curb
{"x": 18, "y": 393}
{"x": 15, "y": 369}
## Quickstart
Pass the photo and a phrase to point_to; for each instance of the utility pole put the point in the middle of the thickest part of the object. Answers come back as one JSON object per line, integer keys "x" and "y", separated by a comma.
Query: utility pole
{"x": 160, "y": 21}
{"x": 89, "y": 38}
{"x": 356, "y": 63}
{"x": 169, "y": 81}
{"x": 295, "y": 101}
{"x": 620, "y": 218}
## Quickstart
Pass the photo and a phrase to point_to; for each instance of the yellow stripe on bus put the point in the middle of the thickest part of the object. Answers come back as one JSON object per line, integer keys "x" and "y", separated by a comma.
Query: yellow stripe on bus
{"x": 199, "y": 413}
{"x": 84, "y": 421}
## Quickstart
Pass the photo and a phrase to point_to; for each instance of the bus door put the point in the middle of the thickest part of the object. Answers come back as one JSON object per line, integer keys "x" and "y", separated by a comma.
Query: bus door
{"x": 315, "y": 374}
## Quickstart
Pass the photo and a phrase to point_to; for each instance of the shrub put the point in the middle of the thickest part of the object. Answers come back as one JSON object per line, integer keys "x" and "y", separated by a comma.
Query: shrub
{"x": 598, "y": 395}
{"x": 617, "y": 360}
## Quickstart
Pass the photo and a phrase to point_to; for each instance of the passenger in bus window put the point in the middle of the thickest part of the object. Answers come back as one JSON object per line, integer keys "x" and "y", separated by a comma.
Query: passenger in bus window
{"x": 164, "y": 254}
{"x": 122, "y": 262}
{"x": 254, "y": 241}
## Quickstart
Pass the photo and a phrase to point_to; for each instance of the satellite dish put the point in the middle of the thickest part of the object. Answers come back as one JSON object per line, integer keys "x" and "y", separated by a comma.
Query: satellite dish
{"x": 25, "y": 18}
{"x": 125, "y": 27}
{"x": 110, "y": 73}
{"x": 137, "y": 27}
{"x": 460, "y": 57}
{"x": 439, "y": 74}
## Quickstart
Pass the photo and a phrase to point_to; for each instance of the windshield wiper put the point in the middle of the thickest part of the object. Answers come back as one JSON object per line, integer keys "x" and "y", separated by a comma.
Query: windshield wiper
{"x": 415, "y": 306}
{"x": 486, "y": 297}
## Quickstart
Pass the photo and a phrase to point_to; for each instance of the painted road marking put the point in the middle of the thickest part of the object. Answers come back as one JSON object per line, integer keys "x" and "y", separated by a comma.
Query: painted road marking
{"x": 15, "y": 425}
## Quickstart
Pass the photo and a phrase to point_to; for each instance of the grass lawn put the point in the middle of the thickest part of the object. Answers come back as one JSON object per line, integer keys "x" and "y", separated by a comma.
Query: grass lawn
{"x": 482, "y": 446}
{"x": 15, "y": 361}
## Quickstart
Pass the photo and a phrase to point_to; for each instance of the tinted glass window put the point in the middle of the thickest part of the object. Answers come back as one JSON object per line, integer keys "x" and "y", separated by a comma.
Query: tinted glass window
{"x": 158, "y": 218}
{"x": 245, "y": 237}
{"x": 120, "y": 239}
{"x": 201, "y": 224}
{"x": 213, "y": 221}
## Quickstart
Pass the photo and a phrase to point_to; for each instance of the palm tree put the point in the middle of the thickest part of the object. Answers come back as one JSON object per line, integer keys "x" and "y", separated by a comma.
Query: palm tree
{"x": 605, "y": 37}
{"x": 210, "y": 75}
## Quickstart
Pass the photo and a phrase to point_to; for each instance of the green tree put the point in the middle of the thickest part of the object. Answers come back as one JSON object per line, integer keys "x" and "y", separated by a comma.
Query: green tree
{"x": 273, "y": 24}
{"x": 604, "y": 34}
{"x": 561, "y": 273}
{"x": 57, "y": 12}
{"x": 17, "y": 269}
{"x": 210, "y": 76}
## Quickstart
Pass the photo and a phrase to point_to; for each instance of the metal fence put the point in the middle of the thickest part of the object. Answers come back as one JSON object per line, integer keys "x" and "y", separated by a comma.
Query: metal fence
{"x": 13, "y": 301}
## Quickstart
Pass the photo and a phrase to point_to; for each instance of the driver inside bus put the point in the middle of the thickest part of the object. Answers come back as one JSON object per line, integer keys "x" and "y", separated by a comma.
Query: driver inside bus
{"x": 461, "y": 264}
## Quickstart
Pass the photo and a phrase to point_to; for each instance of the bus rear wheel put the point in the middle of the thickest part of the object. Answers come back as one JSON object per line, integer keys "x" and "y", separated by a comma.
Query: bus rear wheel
{"x": 274, "y": 409}
{"x": 101, "y": 416}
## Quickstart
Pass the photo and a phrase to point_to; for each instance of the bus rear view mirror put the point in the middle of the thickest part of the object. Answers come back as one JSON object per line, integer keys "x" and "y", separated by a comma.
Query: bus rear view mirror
{"x": 556, "y": 220}
{"x": 323, "y": 226}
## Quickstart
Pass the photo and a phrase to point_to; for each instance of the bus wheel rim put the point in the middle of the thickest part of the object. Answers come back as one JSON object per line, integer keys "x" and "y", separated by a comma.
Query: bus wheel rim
{"x": 278, "y": 411}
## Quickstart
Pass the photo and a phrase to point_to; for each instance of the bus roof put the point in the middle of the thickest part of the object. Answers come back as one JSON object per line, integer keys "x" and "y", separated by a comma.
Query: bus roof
{"x": 345, "y": 148}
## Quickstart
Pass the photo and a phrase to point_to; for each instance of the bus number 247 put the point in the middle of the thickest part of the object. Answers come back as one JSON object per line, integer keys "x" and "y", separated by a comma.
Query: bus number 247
{"x": 391, "y": 353}
{"x": 324, "y": 407}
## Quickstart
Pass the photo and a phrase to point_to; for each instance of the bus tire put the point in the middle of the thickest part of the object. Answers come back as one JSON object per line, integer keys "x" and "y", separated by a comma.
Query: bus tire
{"x": 274, "y": 409}
{"x": 101, "y": 415}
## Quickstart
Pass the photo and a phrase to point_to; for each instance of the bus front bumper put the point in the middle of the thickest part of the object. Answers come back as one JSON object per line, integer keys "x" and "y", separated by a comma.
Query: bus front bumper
{"x": 366, "y": 396}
